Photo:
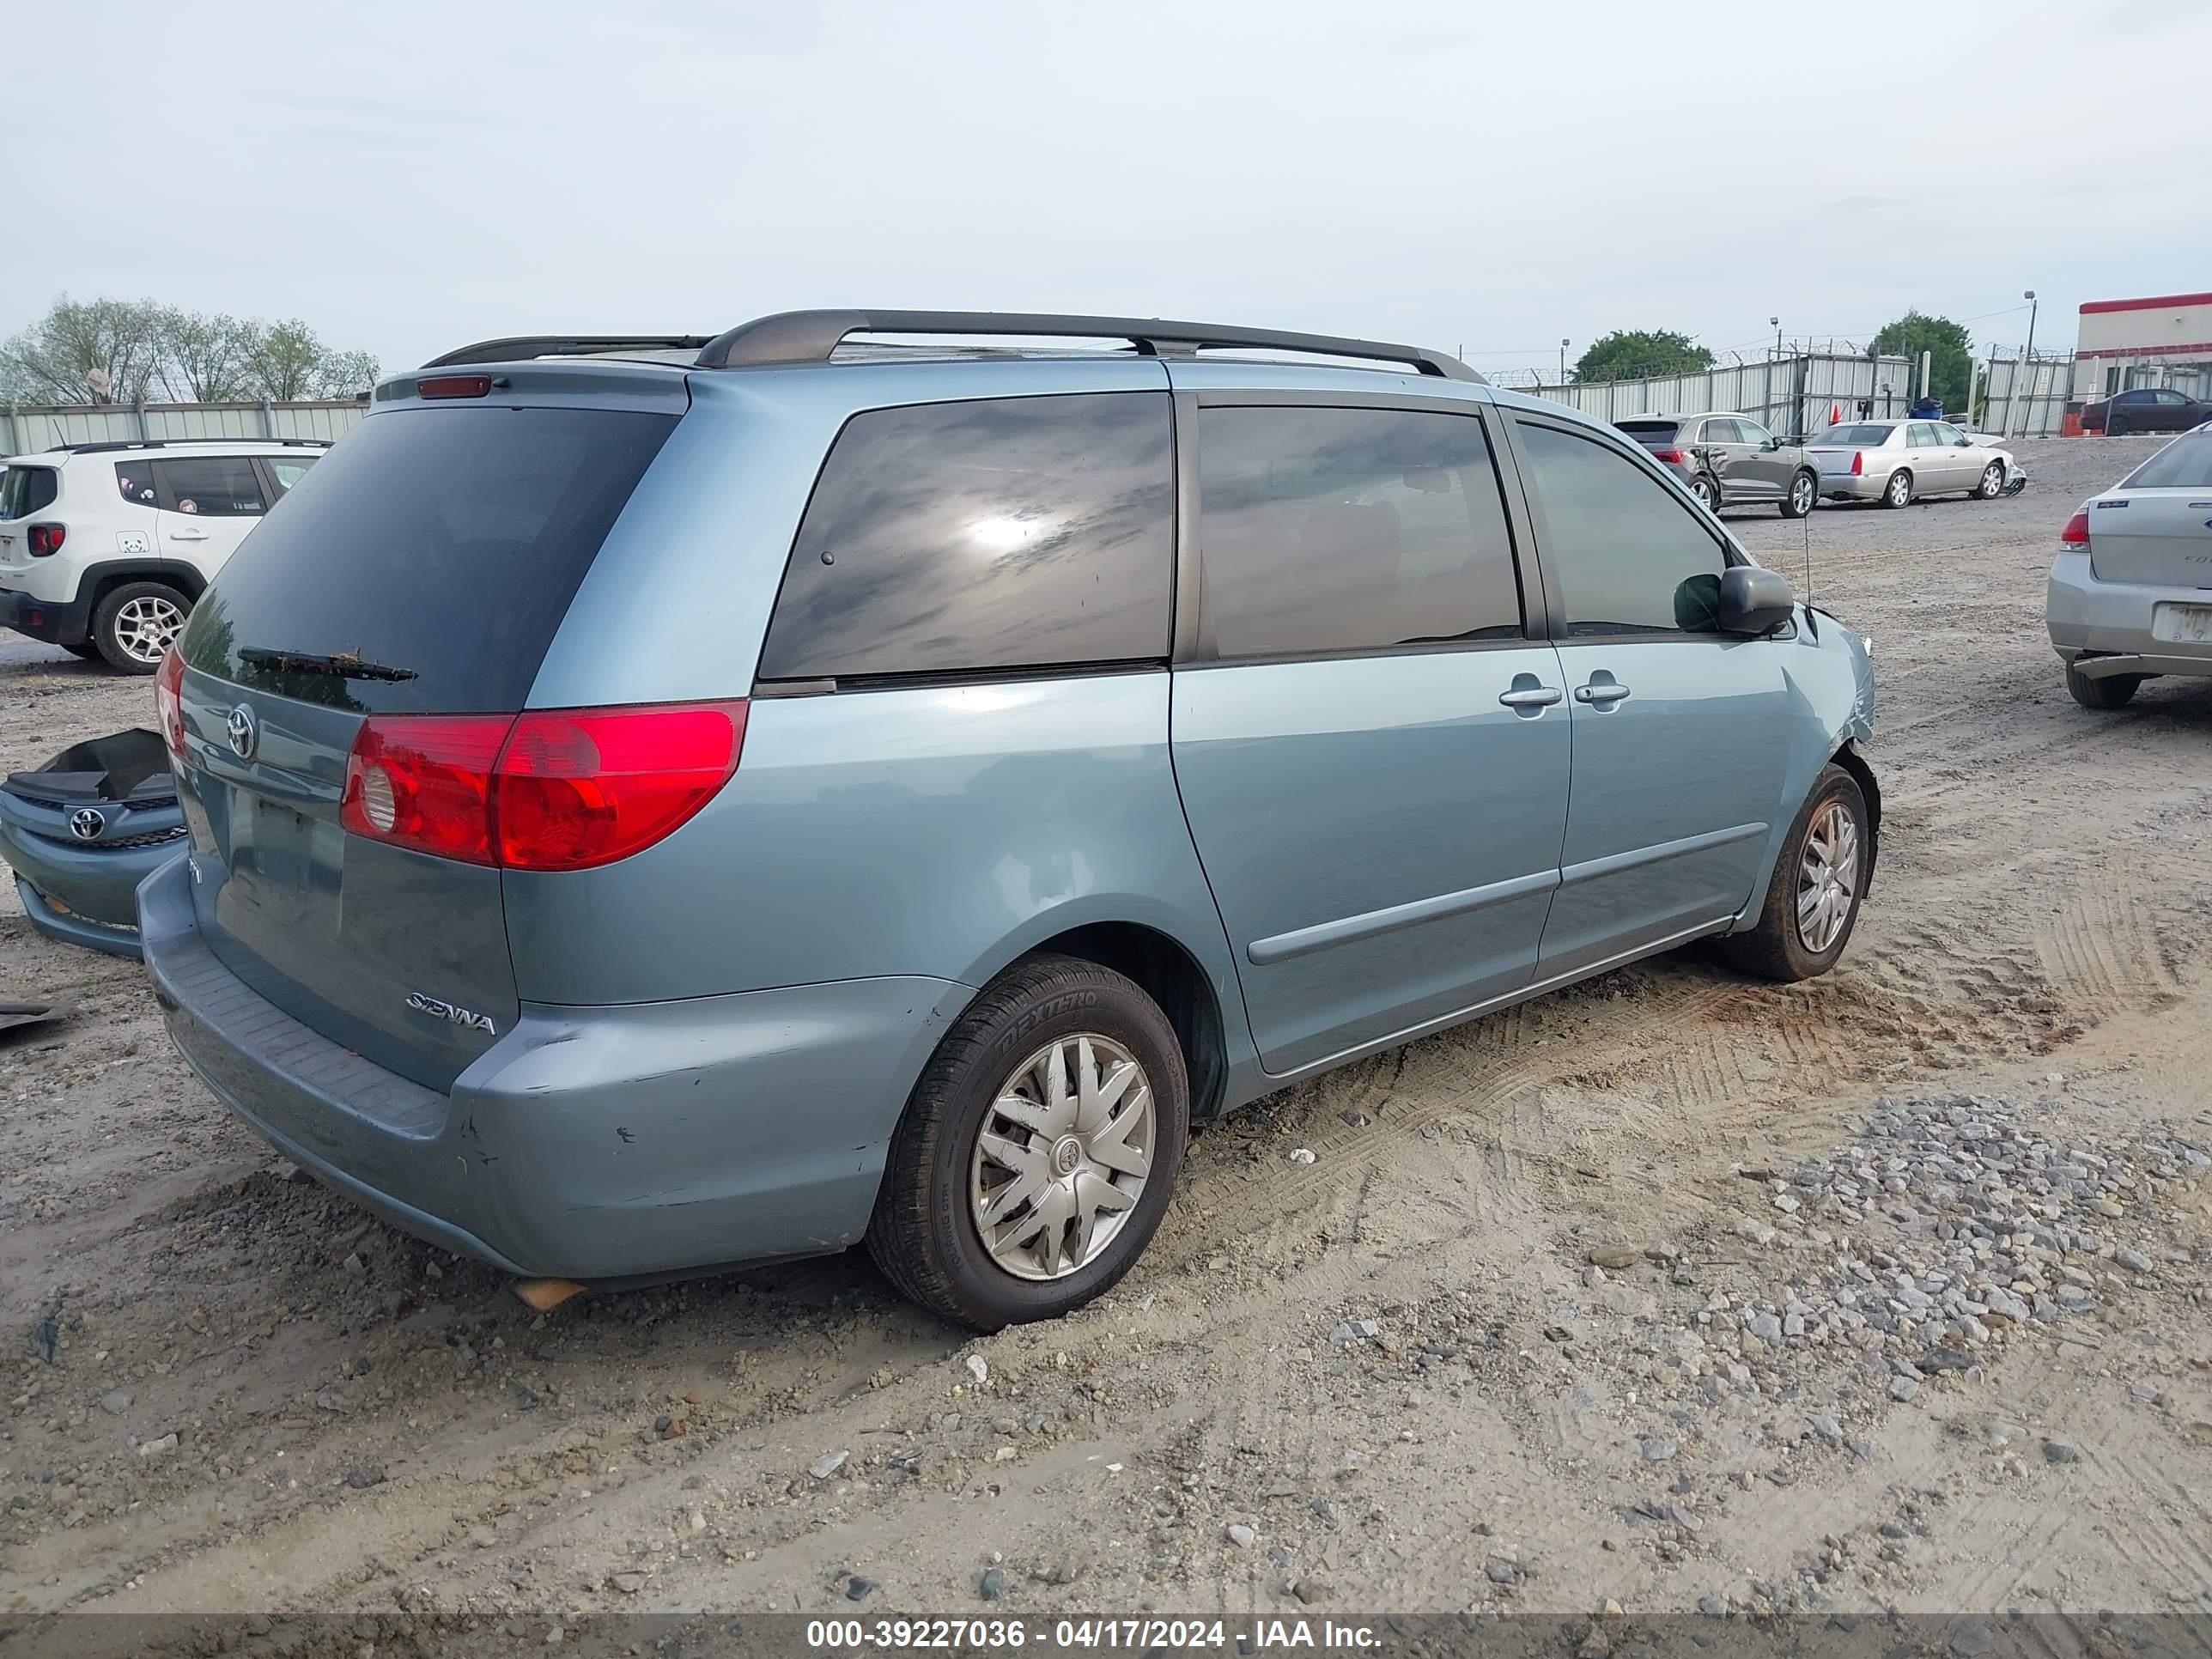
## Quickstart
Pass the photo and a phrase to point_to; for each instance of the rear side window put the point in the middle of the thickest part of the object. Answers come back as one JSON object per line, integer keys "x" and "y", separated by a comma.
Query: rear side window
{"x": 208, "y": 486}
{"x": 27, "y": 489}
{"x": 984, "y": 536}
{"x": 285, "y": 470}
{"x": 1329, "y": 530}
{"x": 1723, "y": 432}
{"x": 134, "y": 481}
{"x": 443, "y": 543}
{"x": 1630, "y": 557}
{"x": 2185, "y": 463}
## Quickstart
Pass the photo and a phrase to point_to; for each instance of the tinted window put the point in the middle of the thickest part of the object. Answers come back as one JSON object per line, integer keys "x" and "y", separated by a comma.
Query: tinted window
{"x": 1008, "y": 534}
{"x": 1856, "y": 437}
{"x": 2172, "y": 397}
{"x": 1629, "y": 558}
{"x": 445, "y": 541}
{"x": 1650, "y": 432}
{"x": 1333, "y": 530}
{"x": 134, "y": 481}
{"x": 25, "y": 490}
{"x": 287, "y": 470}
{"x": 2185, "y": 463}
{"x": 220, "y": 487}
{"x": 1723, "y": 432}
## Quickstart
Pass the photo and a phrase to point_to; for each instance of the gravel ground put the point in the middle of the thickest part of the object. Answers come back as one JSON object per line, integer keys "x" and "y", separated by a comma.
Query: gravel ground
{"x": 1672, "y": 1291}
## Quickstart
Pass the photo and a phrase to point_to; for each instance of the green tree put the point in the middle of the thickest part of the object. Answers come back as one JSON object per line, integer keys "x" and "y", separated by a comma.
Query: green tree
{"x": 345, "y": 374}
{"x": 203, "y": 357}
{"x": 281, "y": 363}
{"x": 1639, "y": 354}
{"x": 1951, "y": 364}
{"x": 84, "y": 352}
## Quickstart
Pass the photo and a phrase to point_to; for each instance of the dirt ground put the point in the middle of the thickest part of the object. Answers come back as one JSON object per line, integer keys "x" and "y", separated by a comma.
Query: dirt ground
{"x": 1387, "y": 1379}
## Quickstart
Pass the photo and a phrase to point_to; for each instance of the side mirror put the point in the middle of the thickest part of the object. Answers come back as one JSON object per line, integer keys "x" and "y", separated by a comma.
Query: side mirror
{"x": 1964, "y": 443}
{"x": 1772, "y": 445}
{"x": 1753, "y": 601}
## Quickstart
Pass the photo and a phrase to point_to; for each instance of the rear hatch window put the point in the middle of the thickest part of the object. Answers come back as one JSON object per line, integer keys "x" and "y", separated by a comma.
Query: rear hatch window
{"x": 443, "y": 546}
{"x": 27, "y": 489}
{"x": 1655, "y": 433}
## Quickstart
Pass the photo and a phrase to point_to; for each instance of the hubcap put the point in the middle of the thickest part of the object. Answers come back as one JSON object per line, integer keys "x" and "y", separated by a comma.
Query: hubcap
{"x": 145, "y": 628}
{"x": 1063, "y": 1157}
{"x": 1992, "y": 479}
{"x": 1900, "y": 489}
{"x": 1827, "y": 877}
{"x": 1703, "y": 491}
{"x": 1800, "y": 495}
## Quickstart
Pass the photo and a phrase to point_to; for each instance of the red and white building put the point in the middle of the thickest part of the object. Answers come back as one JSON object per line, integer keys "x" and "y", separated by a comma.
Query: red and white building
{"x": 2163, "y": 340}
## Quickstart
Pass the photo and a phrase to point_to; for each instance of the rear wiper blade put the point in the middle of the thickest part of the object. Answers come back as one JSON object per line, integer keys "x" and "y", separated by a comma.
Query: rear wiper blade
{"x": 346, "y": 665}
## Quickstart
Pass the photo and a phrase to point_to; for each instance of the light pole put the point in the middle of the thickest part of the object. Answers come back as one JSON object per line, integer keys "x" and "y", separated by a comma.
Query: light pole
{"x": 1775, "y": 323}
{"x": 1562, "y": 360}
{"x": 2028, "y": 295}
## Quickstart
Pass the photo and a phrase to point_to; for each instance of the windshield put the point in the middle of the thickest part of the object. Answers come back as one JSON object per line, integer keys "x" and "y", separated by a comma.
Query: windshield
{"x": 430, "y": 555}
{"x": 1853, "y": 437}
{"x": 2185, "y": 463}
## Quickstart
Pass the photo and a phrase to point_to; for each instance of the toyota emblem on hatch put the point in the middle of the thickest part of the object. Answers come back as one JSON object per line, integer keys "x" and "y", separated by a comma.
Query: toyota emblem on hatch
{"x": 244, "y": 736}
{"x": 88, "y": 824}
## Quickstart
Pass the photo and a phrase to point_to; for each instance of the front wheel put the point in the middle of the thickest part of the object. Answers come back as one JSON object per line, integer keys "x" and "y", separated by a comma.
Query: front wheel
{"x": 1898, "y": 492}
{"x": 2110, "y": 691}
{"x": 1992, "y": 483}
{"x": 1812, "y": 899}
{"x": 1803, "y": 490}
{"x": 134, "y": 626}
{"x": 1038, "y": 1150}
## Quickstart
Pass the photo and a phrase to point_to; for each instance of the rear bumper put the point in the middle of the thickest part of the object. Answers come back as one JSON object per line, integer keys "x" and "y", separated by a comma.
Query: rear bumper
{"x": 2105, "y": 628}
{"x": 58, "y": 621}
{"x": 1853, "y": 486}
{"x": 587, "y": 1143}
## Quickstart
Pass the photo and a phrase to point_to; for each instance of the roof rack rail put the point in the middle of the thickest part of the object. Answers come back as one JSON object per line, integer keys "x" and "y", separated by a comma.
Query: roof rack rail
{"x": 166, "y": 443}
{"x": 809, "y": 336}
{"x": 522, "y": 347}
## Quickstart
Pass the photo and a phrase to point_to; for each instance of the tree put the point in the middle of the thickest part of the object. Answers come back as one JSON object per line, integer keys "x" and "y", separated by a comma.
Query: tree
{"x": 1951, "y": 362}
{"x": 204, "y": 358}
{"x": 282, "y": 362}
{"x": 1639, "y": 354}
{"x": 115, "y": 342}
{"x": 346, "y": 374}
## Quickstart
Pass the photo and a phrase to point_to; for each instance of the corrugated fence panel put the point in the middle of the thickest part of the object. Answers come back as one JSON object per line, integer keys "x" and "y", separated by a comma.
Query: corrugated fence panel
{"x": 26, "y": 430}
{"x": 1790, "y": 395}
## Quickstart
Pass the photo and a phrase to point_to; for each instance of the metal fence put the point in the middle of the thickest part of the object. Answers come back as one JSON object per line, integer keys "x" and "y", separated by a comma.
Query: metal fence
{"x": 1790, "y": 396}
{"x": 26, "y": 430}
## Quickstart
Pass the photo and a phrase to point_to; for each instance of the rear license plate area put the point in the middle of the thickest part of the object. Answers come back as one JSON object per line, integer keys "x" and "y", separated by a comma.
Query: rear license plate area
{"x": 2182, "y": 624}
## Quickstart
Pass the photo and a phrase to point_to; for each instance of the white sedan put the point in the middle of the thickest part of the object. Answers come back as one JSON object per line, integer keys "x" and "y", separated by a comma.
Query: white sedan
{"x": 1895, "y": 462}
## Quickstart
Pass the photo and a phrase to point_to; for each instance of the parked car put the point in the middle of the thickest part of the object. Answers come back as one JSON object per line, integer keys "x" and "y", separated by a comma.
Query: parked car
{"x": 1729, "y": 460}
{"x": 104, "y": 547}
{"x": 678, "y": 813}
{"x": 84, "y": 829}
{"x": 1898, "y": 462}
{"x": 2130, "y": 592}
{"x": 2145, "y": 409}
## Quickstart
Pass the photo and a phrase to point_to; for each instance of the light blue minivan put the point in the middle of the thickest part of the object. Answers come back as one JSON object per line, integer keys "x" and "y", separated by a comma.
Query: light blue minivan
{"x": 663, "y": 803}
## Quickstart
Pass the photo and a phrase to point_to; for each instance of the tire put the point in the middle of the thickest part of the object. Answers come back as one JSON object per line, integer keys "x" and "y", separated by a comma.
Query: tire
{"x": 2115, "y": 428}
{"x": 84, "y": 649}
{"x": 1804, "y": 492}
{"x": 1777, "y": 948}
{"x": 1898, "y": 492}
{"x": 927, "y": 1233}
{"x": 1992, "y": 483}
{"x": 1707, "y": 492}
{"x": 133, "y": 624}
{"x": 2112, "y": 691}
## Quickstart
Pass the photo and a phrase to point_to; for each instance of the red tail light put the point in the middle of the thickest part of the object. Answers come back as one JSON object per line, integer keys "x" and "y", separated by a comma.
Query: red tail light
{"x": 551, "y": 789}
{"x": 48, "y": 538}
{"x": 169, "y": 701}
{"x": 453, "y": 385}
{"x": 2076, "y": 533}
{"x": 1859, "y": 463}
{"x": 1672, "y": 457}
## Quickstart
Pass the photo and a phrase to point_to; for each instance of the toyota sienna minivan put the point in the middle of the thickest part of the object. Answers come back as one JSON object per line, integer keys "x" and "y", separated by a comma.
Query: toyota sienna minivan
{"x": 663, "y": 803}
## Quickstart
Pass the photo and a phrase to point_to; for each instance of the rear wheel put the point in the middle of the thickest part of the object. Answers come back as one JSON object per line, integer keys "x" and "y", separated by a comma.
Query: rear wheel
{"x": 1707, "y": 492}
{"x": 2111, "y": 691}
{"x": 1038, "y": 1150}
{"x": 134, "y": 625}
{"x": 1812, "y": 900}
{"x": 1992, "y": 483}
{"x": 1898, "y": 492}
{"x": 1804, "y": 489}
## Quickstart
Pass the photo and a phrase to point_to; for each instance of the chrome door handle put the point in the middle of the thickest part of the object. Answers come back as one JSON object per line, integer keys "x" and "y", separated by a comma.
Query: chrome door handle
{"x": 1531, "y": 696}
{"x": 1599, "y": 693}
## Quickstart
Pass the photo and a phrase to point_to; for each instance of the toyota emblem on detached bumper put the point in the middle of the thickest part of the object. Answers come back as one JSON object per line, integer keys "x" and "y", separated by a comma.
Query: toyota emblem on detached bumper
{"x": 244, "y": 736}
{"x": 88, "y": 824}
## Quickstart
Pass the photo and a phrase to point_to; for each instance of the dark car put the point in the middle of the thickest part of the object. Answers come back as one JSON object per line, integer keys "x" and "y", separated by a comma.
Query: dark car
{"x": 2146, "y": 408}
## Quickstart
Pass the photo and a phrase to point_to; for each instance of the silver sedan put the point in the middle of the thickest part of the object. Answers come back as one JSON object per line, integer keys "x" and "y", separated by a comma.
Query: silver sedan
{"x": 1896, "y": 462}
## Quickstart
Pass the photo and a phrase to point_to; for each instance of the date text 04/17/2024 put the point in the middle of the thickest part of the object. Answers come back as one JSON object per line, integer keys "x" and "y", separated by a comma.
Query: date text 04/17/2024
{"x": 1138, "y": 1635}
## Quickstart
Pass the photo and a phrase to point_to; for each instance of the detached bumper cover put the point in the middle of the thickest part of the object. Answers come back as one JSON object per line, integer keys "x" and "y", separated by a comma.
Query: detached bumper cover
{"x": 81, "y": 889}
{"x": 585, "y": 1143}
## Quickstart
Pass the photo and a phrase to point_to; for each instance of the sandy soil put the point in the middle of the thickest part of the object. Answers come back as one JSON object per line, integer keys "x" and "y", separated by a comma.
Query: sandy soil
{"x": 362, "y": 1423}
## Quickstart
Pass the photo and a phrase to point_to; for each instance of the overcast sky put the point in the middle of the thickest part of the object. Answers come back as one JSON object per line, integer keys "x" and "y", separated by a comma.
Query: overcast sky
{"x": 408, "y": 177}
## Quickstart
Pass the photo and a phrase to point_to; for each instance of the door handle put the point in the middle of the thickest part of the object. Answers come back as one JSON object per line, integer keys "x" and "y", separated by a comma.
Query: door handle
{"x": 1600, "y": 693}
{"x": 1531, "y": 696}
{"x": 188, "y": 535}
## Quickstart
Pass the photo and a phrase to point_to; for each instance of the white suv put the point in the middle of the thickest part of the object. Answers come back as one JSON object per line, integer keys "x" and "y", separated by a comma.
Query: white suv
{"x": 104, "y": 547}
